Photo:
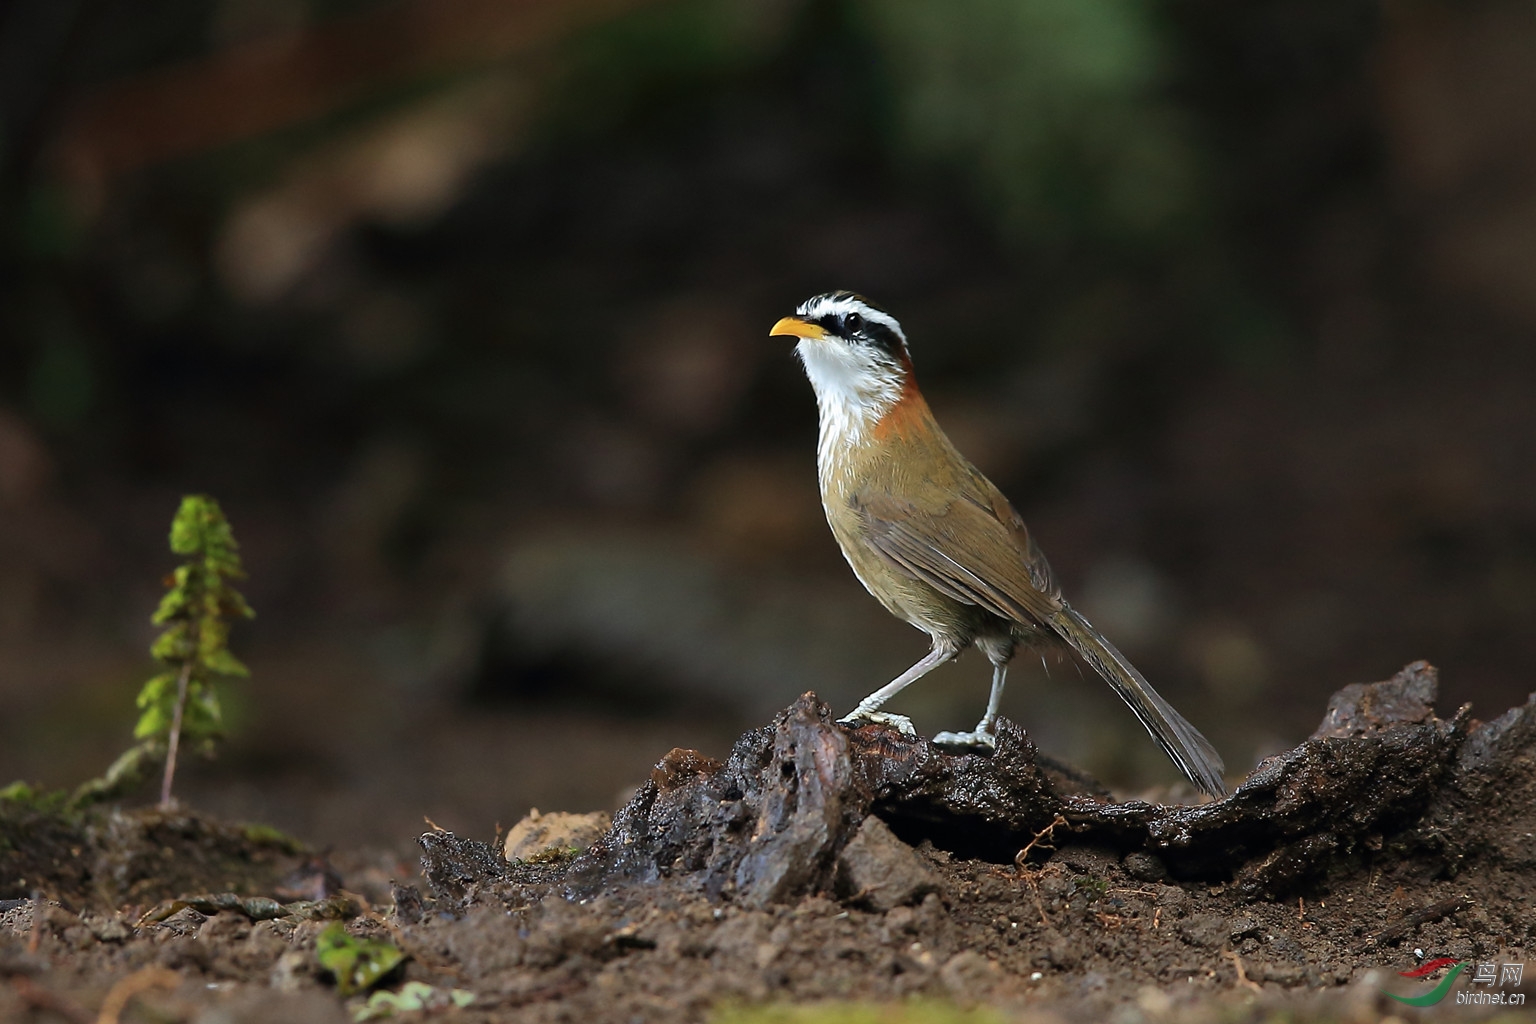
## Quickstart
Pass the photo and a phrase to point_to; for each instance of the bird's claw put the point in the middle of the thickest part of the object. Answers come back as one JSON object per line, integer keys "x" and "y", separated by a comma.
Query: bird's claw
{"x": 901, "y": 723}
{"x": 978, "y": 740}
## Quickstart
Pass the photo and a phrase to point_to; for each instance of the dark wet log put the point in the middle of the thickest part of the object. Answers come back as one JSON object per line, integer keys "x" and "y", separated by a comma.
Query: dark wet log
{"x": 1487, "y": 807}
{"x": 771, "y": 823}
{"x": 764, "y": 826}
{"x": 1368, "y": 771}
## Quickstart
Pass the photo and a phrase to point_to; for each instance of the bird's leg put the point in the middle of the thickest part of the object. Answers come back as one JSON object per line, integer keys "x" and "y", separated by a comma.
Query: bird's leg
{"x": 982, "y": 737}
{"x": 868, "y": 711}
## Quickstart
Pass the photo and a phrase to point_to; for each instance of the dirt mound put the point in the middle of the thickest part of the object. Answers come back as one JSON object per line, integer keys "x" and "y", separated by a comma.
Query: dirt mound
{"x": 815, "y": 862}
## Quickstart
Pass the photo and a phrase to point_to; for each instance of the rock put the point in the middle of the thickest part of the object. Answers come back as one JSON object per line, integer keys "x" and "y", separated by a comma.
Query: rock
{"x": 1063, "y": 953}
{"x": 1092, "y": 861}
{"x": 1491, "y": 743}
{"x": 679, "y": 766}
{"x": 1144, "y": 867}
{"x": 455, "y": 868}
{"x": 107, "y": 929}
{"x": 807, "y": 815}
{"x": 539, "y": 836}
{"x": 1492, "y": 769}
{"x": 969, "y": 975}
{"x": 879, "y": 871}
{"x": 1243, "y": 928}
{"x": 409, "y": 908}
{"x": 1208, "y": 931}
{"x": 1362, "y": 709}
{"x": 763, "y": 827}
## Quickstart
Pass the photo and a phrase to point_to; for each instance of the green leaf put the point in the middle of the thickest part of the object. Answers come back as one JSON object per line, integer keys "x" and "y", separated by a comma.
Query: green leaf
{"x": 235, "y": 606}
{"x": 159, "y": 689}
{"x": 18, "y": 793}
{"x": 203, "y": 716}
{"x": 174, "y": 604}
{"x": 155, "y": 721}
{"x": 45, "y": 800}
{"x": 358, "y": 964}
{"x": 221, "y": 662}
{"x": 173, "y": 645}
{"x": 195, "y": 524}
{"x": 413, "y": 996}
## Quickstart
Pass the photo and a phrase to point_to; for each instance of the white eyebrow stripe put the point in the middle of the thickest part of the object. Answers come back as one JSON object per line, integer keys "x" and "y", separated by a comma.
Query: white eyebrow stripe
{"x": 842, "y": 305}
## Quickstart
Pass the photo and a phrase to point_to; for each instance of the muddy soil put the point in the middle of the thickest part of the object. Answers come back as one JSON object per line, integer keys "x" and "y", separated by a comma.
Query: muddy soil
{"x": 814, "y": 863}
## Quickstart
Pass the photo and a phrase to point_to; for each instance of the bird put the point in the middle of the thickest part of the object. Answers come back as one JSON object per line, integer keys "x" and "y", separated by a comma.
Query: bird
{"x": 935, "y": 542}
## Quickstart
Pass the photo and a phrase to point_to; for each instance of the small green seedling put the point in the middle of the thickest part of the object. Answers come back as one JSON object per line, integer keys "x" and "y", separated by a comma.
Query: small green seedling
{"x": 413, "y": 996}
{"x": 1096, "y": 888}
{"x": 196, "y": 612}
{"x": 193, "y": 648}
{"x": 358, "y": 964}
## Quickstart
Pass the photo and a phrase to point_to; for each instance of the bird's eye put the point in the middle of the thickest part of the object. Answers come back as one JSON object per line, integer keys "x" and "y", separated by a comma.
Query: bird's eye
{"x": 853, "y": 323}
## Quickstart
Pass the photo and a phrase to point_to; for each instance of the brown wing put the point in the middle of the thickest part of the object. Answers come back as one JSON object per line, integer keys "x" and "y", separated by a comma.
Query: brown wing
{"x": 973, "y": 549}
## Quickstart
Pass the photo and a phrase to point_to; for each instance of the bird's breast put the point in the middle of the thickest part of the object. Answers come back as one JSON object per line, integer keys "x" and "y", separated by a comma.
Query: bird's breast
{"x": 877, "y": 461}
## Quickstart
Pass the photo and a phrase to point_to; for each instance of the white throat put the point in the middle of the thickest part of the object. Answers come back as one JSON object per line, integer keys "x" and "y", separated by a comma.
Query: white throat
{"x": 854, "y": 389}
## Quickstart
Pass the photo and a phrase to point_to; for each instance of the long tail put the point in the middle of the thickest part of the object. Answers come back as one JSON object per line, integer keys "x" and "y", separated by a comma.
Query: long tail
{"x": 1181, "y": 741}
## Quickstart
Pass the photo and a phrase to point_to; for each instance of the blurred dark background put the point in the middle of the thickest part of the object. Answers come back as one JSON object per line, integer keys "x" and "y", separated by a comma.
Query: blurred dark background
{"x": 459, "y": 307}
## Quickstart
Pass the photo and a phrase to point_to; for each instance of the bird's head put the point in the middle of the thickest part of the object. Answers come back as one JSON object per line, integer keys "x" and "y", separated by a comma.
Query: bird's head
{"x": 854, "y": 352}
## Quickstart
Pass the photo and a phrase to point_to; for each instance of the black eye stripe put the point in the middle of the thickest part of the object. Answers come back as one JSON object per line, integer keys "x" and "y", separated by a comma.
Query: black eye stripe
{"x": 851, "y": 324}
{"x": 882, "y": 337}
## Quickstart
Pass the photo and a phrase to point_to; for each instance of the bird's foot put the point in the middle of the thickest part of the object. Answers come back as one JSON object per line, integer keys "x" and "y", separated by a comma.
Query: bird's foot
{"x": 978, "y": 740}
{"x": 901, "y": 723}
